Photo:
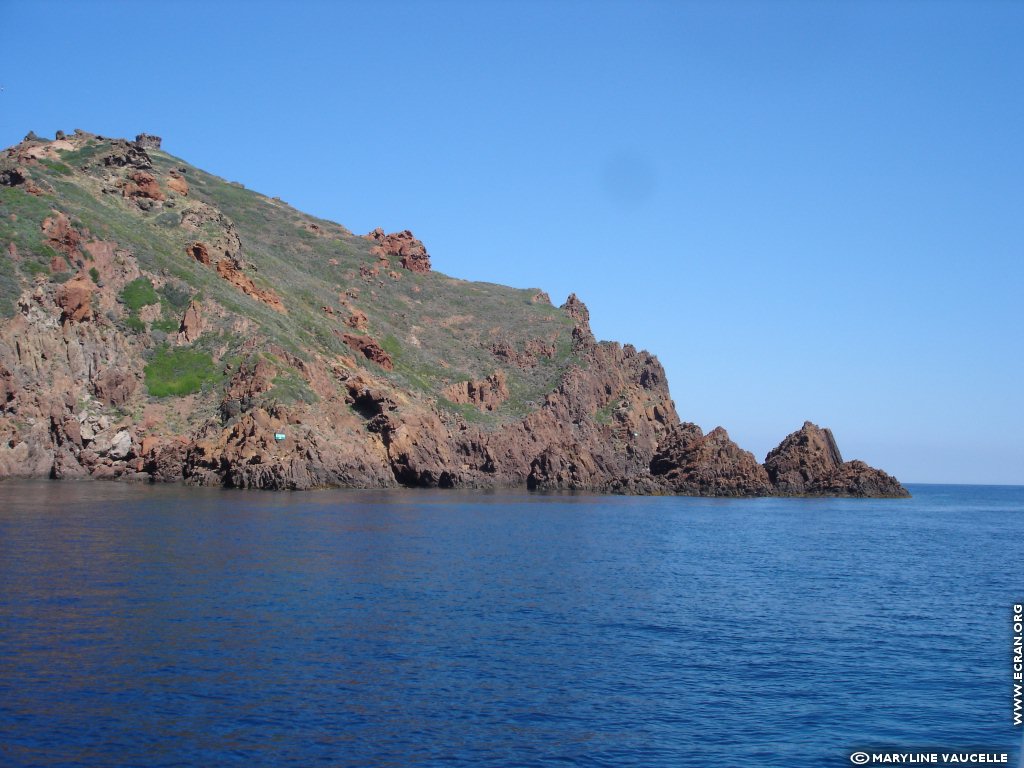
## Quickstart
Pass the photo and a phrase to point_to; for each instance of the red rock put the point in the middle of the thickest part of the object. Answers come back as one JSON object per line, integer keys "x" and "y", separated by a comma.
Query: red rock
{"x": 192, "y": 324}
{"x": 370, "y": 349}
{"x": 61, "y": 236}
{"x": 404, "y": 245}
{"x": 486, "y": 394}
{"x": 357, "y": 320}
{"x": 692, "y": 463}
{"x": 177, "y": 183}
{"x": 75, "y": 300}
{"x": 230, "y": 272}
{"x": 114, "y": 386}
{"x": 142, "y": 184}
{"x": 808, "y": 463}
{"x": 200, "y": 252}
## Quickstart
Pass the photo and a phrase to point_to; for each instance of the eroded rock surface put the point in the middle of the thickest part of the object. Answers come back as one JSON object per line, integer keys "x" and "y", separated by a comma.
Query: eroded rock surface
{"x": 411, "y": 252}
{"x": 92, "y": 338}
{"x": 808, "y": 463}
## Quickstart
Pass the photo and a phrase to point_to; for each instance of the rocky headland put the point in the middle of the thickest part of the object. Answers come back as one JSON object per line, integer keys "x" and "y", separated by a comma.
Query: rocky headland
{"x": 158, "y": 323}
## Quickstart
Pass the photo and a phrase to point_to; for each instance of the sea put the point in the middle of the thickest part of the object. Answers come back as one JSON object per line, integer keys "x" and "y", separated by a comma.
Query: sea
{"x": 170, "y": 626}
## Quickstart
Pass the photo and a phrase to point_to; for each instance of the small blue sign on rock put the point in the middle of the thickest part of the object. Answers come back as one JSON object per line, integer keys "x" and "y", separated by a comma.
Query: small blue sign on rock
{"x": 279, "y": 436}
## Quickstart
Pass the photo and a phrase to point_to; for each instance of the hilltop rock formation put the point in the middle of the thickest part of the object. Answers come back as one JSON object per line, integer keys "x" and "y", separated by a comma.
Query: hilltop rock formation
{"x": 146, "y": 141}
{"x": 196, "y": 332}
{"x": 411, "y": 252}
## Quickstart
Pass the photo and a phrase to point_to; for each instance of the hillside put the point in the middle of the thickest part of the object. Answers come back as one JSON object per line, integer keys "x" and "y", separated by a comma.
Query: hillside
{"x": 159, "y": 323}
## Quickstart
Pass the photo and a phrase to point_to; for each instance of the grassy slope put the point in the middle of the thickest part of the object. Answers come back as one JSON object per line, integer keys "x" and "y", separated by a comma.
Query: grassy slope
{"x": 437, "y": 329}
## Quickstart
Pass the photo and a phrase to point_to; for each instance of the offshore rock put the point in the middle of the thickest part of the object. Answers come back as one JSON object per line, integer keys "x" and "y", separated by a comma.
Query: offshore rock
{"x": 808, "y": 463}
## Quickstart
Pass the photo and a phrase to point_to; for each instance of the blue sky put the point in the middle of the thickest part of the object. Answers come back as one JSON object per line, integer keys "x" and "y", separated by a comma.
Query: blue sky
{"x": 806, "y": 210}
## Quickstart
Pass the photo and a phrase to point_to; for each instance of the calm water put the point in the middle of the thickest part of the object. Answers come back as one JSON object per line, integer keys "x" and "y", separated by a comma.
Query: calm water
{"x": 167, "y": 626}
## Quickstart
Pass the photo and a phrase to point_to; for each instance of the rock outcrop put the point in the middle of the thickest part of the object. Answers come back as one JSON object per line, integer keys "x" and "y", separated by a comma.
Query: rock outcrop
{"x": 148, "y": 141}
{"x": 230, "y": 271}
{"x": 696, "y": 464}
{"x": 808, "y": 463}
{"x": 130, "y": 352}
{"x": 369, "y": 349}
{"x": 410, "y": 251}
{"x": 487, "y": 393}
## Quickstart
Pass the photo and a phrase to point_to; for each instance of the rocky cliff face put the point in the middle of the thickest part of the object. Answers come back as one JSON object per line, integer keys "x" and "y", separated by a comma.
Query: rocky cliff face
{"x": 160, "y": 324}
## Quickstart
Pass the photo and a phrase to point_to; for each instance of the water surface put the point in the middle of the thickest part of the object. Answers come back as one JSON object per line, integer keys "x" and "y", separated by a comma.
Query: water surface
{"x": 165, "y": 626}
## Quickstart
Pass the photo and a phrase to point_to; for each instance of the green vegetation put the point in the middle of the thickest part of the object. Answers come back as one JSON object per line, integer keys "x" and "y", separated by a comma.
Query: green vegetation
{"x": 290, "y": 387}
{"x": 57, "y": 167}
{"x": 391, "y": 346}
{"x": 435, "y": 328}
{"x": 134, "y": 323}
{"x": 175, "y": 295}
{"x": 10, "y": 287}
{"x": 138, "y": 294}
{"x": 80, "y": 157}
{"x": 179, "y": 371}
{"x": 467, "y": 411}
{"x": 166, "y": 324}
{"x": 94, "y": 274}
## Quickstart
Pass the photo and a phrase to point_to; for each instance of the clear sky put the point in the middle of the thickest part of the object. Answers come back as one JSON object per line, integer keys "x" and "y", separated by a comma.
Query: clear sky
{"x": 807, "y": 210}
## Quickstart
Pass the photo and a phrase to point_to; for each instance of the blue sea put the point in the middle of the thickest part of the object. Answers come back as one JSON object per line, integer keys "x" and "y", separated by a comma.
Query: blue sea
{"x": 168, "y": 626}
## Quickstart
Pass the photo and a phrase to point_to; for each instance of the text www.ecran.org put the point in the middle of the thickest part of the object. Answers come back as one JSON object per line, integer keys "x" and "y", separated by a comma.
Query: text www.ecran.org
{"x": 1018, "y": 661}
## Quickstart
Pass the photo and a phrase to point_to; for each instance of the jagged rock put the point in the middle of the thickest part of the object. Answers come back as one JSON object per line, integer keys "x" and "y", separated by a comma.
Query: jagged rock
{"x": 599, "y": 418}
{"x": 357, "y": 320}
{"x": 75, "y": 300}
{"x": 164, "y": 460}
{"x": 528, "y": 358}
{"x": 487, "y": 394}
{"x": 200, "y": 252}
{"x": 577, "y": 310}
{"x": 582, "y": 338}
{"x": 808, "y": 463}
{"x": 192, "y": 324}
{"x": 143, "y": 185}
{"x": 124, "y": 154}
{"x": 120, "y": 445}
{"x": 148, "y": 141}
{"x": 693, "y": 463}
{"x": 61, "y": 236}
{"x": 234, "y": 275}
{"x": 802, "y": 459}
{"x": 405, "y": 246}
{"x": 114, "y": 386}
{"x": 370, "y": 349}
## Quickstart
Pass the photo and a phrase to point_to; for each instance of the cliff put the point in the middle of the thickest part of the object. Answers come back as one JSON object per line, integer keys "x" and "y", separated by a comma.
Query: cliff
{"x": 158, "y": 323}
